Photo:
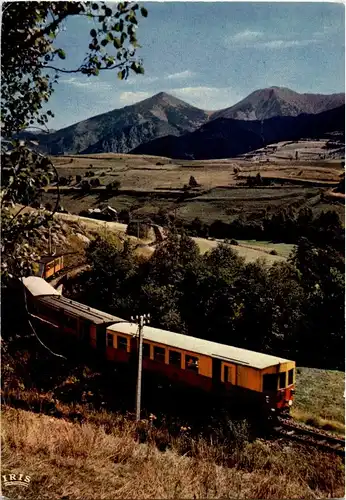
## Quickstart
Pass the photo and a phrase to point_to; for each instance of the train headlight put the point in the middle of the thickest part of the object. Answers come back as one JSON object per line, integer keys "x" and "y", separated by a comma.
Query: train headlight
{"x": 267, "y": 399}
{"x": 290, "y": 403}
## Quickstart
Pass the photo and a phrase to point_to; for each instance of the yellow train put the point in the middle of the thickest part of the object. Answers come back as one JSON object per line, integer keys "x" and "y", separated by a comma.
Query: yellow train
{"x": 258, "y": 379}
{"x": 49, "y": 265}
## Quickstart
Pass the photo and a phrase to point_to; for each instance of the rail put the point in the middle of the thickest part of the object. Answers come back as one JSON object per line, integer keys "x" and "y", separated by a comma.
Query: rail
{"x": 318, "y": 438}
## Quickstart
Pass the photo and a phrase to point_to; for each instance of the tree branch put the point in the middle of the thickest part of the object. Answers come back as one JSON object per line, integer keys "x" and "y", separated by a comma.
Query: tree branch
{"x": 80, "y": 70}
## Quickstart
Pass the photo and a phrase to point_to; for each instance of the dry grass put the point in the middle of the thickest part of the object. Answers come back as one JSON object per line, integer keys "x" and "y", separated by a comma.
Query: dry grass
{"x": 76, "y": 461}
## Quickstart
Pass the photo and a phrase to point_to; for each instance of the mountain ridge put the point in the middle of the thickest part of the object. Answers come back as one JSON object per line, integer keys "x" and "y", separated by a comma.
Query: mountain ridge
{"x": 228, "y": 137}
{"x": 163, "y": 115}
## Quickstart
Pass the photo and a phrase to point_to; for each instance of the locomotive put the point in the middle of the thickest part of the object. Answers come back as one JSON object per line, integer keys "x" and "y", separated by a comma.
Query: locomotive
{"x": 258, "y": 380}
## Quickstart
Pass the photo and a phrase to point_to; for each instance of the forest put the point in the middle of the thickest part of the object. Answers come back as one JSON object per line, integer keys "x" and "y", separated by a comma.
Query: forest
{"x": 293, "y": 309}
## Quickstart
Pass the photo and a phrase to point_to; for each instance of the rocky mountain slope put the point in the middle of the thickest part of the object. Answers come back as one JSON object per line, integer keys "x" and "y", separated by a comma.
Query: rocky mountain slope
{"x": 123, "y": 129}
{"x": 278, "y": 101}
{"x": 226, "y": 137}
{"x": 164, "y": 116}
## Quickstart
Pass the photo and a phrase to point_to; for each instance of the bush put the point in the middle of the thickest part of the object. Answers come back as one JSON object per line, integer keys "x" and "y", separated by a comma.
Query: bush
{"x": 234, "y": 242}
{"x": 192, "y": 182}
{"x": 78, "y": 179}
{"x": 159, "y": 163}
{"x": 273, "y": 252}
{"x": 113, "y": 186}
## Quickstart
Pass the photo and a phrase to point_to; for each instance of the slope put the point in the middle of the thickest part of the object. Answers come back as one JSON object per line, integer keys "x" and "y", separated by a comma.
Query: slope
{"x": 227, "y": 138}
{"x": 278, "y": 101}
{"x": 123, "y": 129}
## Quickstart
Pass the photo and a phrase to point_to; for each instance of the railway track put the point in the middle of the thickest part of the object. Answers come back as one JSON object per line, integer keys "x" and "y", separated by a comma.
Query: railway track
{"x": 319, "y": 439}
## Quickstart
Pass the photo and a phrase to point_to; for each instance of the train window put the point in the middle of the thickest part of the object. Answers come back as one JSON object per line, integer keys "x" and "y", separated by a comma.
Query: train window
{"x": 290, "y": 377}
{"x": 159, "y": 354}
{"x": 109, "y": 340}
{"x": 175, "y": 358}
{"x": 282, "y": 380}
{"x": 122, "y": 343}
{"x": 270, "y": 382}
{"x": 191, "y": 363}
{"x": 146, "y": 350}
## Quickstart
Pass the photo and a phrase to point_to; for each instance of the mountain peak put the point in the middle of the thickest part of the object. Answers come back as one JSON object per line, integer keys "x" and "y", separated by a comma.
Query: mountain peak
{"x": 279, "y": 101}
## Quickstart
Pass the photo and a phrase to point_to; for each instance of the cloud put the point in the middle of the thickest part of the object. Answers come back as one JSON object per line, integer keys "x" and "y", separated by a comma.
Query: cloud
{"x": 246, "y": 35}
{"x": 248, "y": 39}
{"x": 93, "y": 85}
{"x": 285, "y": 44}
{"x": 208, "y": 98}
{"x": 180, "y": 75}
{"x": 127, "y": 98}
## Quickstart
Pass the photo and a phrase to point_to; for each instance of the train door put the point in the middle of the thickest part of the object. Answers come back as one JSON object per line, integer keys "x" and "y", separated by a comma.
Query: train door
{"x": 216, "y": 371}
{"x": 84, "y": 331}
{"x": 101, "y": 338}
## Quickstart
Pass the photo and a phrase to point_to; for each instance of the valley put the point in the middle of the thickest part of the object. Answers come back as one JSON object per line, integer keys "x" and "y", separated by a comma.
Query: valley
{"x": 147, "y": 185}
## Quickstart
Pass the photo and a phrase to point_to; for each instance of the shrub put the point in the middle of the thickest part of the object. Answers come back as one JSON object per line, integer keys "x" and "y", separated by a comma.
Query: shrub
{"x": 192, "y": 182}
{"x": 234, "y": 242}
{"x": 113, "y": 186}
{"x": 273, "y": 252}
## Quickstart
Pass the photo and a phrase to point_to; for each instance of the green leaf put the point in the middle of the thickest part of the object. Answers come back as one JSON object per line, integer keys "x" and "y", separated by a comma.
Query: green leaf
{"x": 144, "y": 12}
{"x": 117, "y": 43}
{"x": 104, "y": 42}
{"x": 120, "y": 75}
{"x": 61, "y": 54}
{"x": 93, "y": 33}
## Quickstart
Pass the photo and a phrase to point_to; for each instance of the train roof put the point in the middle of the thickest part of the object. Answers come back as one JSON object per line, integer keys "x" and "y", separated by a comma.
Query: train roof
{"x": 38, "y": 286}
{"x": 199, "y": 346}
{"x": 49, "y": 258}
{"x": 75, "y": 308}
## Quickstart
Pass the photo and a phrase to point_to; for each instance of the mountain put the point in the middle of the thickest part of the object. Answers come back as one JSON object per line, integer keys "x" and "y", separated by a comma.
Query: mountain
{"x": 227, "y": 137}
{"x": 123, "y": 129}
{"x": 279, "y": 101}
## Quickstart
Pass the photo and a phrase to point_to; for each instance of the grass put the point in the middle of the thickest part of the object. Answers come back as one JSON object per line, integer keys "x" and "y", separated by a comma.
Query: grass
{"x": 87, "y": 461}
{"x": 92, "y": 453}
{"x": 319, "y": 398}
{"x": 283, "y": 249}
{"x": 250, "y": 254}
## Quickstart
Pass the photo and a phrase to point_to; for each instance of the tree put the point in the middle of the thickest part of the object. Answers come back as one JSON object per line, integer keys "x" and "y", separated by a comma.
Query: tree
{"x": 31, "y": 63}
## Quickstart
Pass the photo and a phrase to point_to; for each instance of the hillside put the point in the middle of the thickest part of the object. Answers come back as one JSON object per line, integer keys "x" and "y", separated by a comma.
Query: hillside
{"x": 164, "y": 116}
{"x": 277, "y": 101}
{"x": 123, "y": 129}
{"x": 227, "y": 138}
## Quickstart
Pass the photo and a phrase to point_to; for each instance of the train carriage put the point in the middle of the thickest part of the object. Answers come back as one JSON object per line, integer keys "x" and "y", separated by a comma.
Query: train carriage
{"x": 230, "y": 372}
{"x": 250, "y": 378}
{"x": 49, "y": 265}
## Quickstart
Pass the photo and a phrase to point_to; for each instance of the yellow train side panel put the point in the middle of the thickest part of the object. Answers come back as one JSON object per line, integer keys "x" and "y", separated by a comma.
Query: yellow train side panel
{"x": 249, "y": 378}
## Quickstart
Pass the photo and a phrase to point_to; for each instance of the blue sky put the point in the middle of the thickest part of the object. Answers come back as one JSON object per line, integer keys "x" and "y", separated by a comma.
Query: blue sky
{"x": 210, "y": 55}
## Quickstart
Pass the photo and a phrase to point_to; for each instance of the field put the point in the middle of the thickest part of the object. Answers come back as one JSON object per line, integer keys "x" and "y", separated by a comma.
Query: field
{"x": 109, "y": 456}
{"x": 320, "y": 398}
{"x": 148, "y": 184}
{"x": 250, "y": 250}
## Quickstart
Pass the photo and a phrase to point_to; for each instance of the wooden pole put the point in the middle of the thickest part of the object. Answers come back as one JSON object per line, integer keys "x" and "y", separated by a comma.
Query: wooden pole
{"x": 141, "y": 320}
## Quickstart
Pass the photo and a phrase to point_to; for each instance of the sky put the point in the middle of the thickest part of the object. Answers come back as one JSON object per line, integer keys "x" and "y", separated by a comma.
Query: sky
{"x": 211, "y": 55}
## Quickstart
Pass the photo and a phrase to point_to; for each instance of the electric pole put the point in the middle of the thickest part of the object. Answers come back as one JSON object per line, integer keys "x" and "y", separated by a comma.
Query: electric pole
{"x": 141, "y": 321}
